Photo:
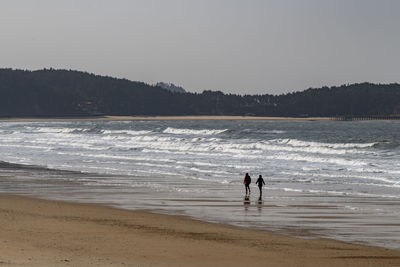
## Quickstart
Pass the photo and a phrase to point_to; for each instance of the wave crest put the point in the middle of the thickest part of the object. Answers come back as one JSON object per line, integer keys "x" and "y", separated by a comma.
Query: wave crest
{"x": 183, "y": 131}
{"x": 299, "y": 143}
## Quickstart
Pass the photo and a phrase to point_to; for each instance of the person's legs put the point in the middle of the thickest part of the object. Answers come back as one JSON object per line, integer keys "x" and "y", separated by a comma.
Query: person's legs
{"x": 247, "y": 188}
{"x": 260, "y": 187}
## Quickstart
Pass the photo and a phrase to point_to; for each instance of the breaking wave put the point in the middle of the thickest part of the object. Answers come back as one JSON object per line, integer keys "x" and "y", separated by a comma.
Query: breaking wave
{"x": 171, "y": 130}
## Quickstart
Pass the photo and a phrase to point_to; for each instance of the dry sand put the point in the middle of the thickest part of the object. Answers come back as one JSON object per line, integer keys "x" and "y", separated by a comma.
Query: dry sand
{"x": 161, "y": 118}
{"x": 48, "y": 233}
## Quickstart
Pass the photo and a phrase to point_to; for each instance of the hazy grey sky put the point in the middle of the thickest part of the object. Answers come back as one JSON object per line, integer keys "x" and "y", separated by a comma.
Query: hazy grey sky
{"x": 247, "y": 46}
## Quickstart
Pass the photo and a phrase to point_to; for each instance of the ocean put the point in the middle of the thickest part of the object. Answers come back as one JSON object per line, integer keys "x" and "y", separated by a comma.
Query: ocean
{"x": 333, "y": 179}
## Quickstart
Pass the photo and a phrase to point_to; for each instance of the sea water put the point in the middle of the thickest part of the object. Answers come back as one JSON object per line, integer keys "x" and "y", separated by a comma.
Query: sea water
{"x": 323, "y": 178}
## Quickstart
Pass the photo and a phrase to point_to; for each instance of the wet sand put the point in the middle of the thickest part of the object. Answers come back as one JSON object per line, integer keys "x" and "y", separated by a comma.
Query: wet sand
{"x": 358, "y": 220}
{"x": 160, "y": 118}
{"x": 50, "y": 233}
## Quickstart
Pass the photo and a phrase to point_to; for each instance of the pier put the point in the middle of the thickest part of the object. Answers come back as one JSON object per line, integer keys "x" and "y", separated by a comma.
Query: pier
{"x": 366, "y": 118}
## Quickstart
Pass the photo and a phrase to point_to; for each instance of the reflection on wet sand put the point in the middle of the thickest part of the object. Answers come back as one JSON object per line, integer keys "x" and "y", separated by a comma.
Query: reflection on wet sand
{"x": 246, "y": 202}
{"x": 260, "y": 203}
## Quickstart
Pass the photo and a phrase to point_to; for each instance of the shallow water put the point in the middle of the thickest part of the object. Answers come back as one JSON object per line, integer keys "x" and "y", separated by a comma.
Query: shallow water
{"x": 331, "y": 179}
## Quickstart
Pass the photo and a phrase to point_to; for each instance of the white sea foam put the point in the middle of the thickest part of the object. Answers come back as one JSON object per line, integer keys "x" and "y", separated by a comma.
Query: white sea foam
{"x": 279, "y": 146}
{"x": 127, "y": 132}
{"x": 199, "y": 151}
{"x": 299, "y": 143}
{"x": 11, "y": 139}
{"x": 25, "y": 146}
{"x": 316, "y": 159}
{"x": 171, "y": 130}
{"x": 263, "y": 131}
{"x": 53, "y": 130}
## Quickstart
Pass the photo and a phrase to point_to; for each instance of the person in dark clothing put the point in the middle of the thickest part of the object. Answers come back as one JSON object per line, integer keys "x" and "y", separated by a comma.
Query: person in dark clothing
{"x": 260, "y": 182}
{"x": 247, "y": 181}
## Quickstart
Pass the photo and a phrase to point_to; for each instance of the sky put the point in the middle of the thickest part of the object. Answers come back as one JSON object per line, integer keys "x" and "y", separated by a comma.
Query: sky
{"x": 235, "y": 46}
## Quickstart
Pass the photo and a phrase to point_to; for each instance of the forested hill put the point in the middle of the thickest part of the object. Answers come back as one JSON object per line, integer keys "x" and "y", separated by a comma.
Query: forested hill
{"x": 51, "y": 92}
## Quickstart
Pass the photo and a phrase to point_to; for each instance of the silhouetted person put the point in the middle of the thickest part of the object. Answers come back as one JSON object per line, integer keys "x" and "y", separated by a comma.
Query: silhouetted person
{"x": 260, "y": 182}
{"x": 247, "y": 181}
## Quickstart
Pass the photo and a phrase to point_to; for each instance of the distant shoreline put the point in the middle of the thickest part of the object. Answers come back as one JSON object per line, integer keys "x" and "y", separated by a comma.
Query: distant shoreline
{"x": 195, "y": 118}
{"x": 160, "y": 118}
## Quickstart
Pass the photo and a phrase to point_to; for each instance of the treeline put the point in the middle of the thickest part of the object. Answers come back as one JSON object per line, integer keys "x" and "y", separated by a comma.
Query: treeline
{"x": 52, "y": 92}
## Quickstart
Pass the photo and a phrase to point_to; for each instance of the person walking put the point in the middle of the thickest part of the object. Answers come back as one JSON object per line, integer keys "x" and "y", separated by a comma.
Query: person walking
{"x": 247, "y": 182}
{"x": 260, "y": 182}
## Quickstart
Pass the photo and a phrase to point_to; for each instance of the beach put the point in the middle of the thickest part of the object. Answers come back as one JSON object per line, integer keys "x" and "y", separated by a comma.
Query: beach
{"x": 37, "y": 232}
